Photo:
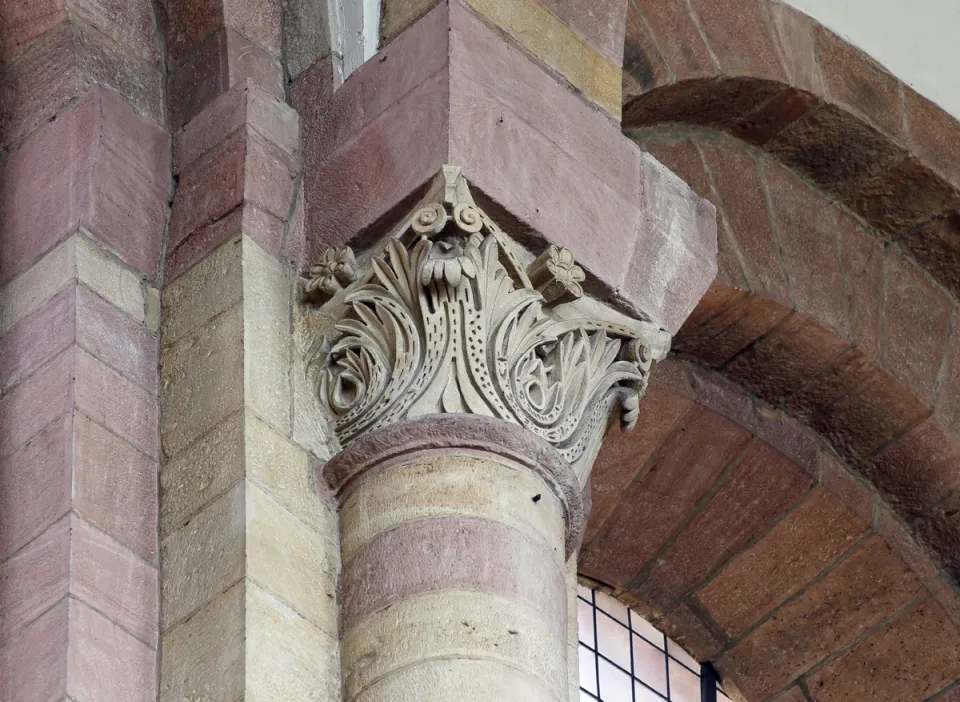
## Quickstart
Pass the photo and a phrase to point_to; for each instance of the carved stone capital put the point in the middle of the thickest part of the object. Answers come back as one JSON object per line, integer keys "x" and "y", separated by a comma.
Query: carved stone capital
{"x": 452, "y": 316}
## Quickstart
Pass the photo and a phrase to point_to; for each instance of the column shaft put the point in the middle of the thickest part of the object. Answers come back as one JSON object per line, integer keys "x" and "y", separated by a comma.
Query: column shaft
{"x": 453, "y": 583}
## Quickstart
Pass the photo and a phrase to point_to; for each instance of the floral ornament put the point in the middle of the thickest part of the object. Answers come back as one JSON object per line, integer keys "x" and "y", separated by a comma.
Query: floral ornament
{"x": 336, "y": 270}
{"x": 451, "y": 259}
{"x": 556, "y": 276}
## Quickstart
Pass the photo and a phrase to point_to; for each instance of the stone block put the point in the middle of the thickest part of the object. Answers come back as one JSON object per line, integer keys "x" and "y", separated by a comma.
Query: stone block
{"x": 738, "y": 37}
{"x": 115, "y": 487}
{"x": 132, "y": 25}
{"x": 196, "y": 204}
{"x": 204, "y": 656}
{"x": 258, "y": 20}
{"x": 593, "y": 74}
{"x": 920, "y": 651}
{"x": 37, "y": 338}
{"x": 186, "y": 23}
{"x": 201, "y": 560}
{"x": 737, "y": 179}
{"x": 916, "y": 324}
{"x": 44, "y": 186}
{"x": 795, "y": 551}
{"x": 623, "y": 455}
{"x": 112, "y": 281}
{"x": 35, "y": 286}
{"x": 306, "y": 33}
{"x": 269, "y": 177}
{"x": 808, "y": 236}
{"x": 266, "y": 336}
{"x": 223, "y": 60}
{"x": 760, "y": 491}
{"x": 644, "y": 67}
{"x": 859, "y": 84}
{"x": 116, "y": 339}
{"x": 315, "y": 436}
{"x": 782, "y": 362}
{"x": 796, "y": 34}
{"x": 207, "y": 290}
{"x": 199, "y": 474}
{"x": 130, "y": 188}
{"x": 282, "y": 470}
{"x": 291, "y": 560}
{"x": 113, "y": 580}
{"x": 37, "y": 86}
{"x": 904, "y": 197}
{"x": 398, "y": 15}
{"x": 37, "y": 401}
{"x": 677, "y": 35}
{"x": 862, "y": 422}
{"x": 116, "y": 403}
{"x": 903, "y": 543}
{"x": 100, "y": 62}
{"x": 939, "y": 532}
{"x": 202, "y": 374}
{"x": 35, "y": 579}
{"x": 25, "y": 23}
{"x": 856, "y": 595}
{"x": 834, "y": 383}
{"x": 104, "y": 662}
{"x": 934, "y": 134}
{"x": 862, "y": 258}
{"x": 286, "y": 656}
{"x": 935, "y": 248}
{"x": 35, "y": 486}
{"x": 853, "y": 491}
{"x": 33, "y": 664}
{"x": 244, "y": 104}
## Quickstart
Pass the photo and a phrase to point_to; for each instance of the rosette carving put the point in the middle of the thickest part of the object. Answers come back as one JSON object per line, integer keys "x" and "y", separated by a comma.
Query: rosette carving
{"x": 451, "y": 323}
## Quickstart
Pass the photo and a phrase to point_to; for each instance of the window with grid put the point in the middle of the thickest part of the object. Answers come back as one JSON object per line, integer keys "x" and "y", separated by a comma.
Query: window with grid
{"x": 623, "y": 658}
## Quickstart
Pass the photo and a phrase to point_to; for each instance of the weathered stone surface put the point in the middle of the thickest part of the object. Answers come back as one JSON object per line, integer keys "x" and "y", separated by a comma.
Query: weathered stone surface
{"x": 105, "y": 662}
{"x": 33, "y": 664}
{"x": 815, "y": 534}
{"x": 35, "y": 486}
{"x": 859, "y": 593}
{"x": 116, "y": 403}
{"x": 31, "y": 289}
{"x": 933, "y": 133}
{"x": 763, "y": 487}
{"x": 796, "y": 34}
{"x": 112, "y": 281}
{"x": 35, "y": 579}
{"x": 781, "y": 362}
{"x": 24, "y": 23}
{"x": 291, "y": 560}
{"x": 186, "y": 23}
{"x": 203, "y": 378}
{"x": 915, "y": 656}
{"x": 203, "y": 558}
{"x": 286, "y": 657}
{"x": 737, "y": 180}
{"x": 624, "y": 454}
{"x": 37, "y": 401}
{"x": 113, "y": 337}
{"x": 283, "y": 470}
{"x": 903, "y": 197}
{"x": 939, "y": 531}
{"x": 306, "y": 33}
{"x": 644, "y": 67}
{"x": 681, "y": 472}
{"x": 132, "y": 25}
{"x": 807, "y": 234}
{"x": 37, "y": 338}
{"x": 734, "y": 31}
{"x": 202, "y": 472}
{"x": 115, "y": 487}
{"x": 677, "y": 35}
{"x": 204, "y": 656}
{"x": 113, "y": 580}
{"x": 916, "y": 324}
{"x": 266, "y": 335}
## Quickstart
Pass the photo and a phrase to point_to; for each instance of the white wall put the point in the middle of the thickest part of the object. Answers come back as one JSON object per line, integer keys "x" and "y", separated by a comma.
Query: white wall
{"x": 916, "y": 40}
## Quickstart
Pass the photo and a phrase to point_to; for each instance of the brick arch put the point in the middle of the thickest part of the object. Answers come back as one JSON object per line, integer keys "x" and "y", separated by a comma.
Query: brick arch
{"x": 736, "y": 529}
{"x": 772, "y": 77}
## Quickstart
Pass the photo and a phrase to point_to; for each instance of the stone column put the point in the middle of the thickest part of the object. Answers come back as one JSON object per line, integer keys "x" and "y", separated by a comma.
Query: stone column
{"x": 453, "y": 532}
{"x": 469, "y": 383}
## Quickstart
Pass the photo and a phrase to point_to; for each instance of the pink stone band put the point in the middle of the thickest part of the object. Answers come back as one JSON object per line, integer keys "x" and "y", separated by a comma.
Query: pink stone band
{"x": 374, "y": 452}
{"x": 446, "y": 553}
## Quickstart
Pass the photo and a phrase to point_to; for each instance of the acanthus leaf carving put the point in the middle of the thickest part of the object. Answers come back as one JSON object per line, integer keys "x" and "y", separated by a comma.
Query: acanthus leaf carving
{"x": 453, "y": 323}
